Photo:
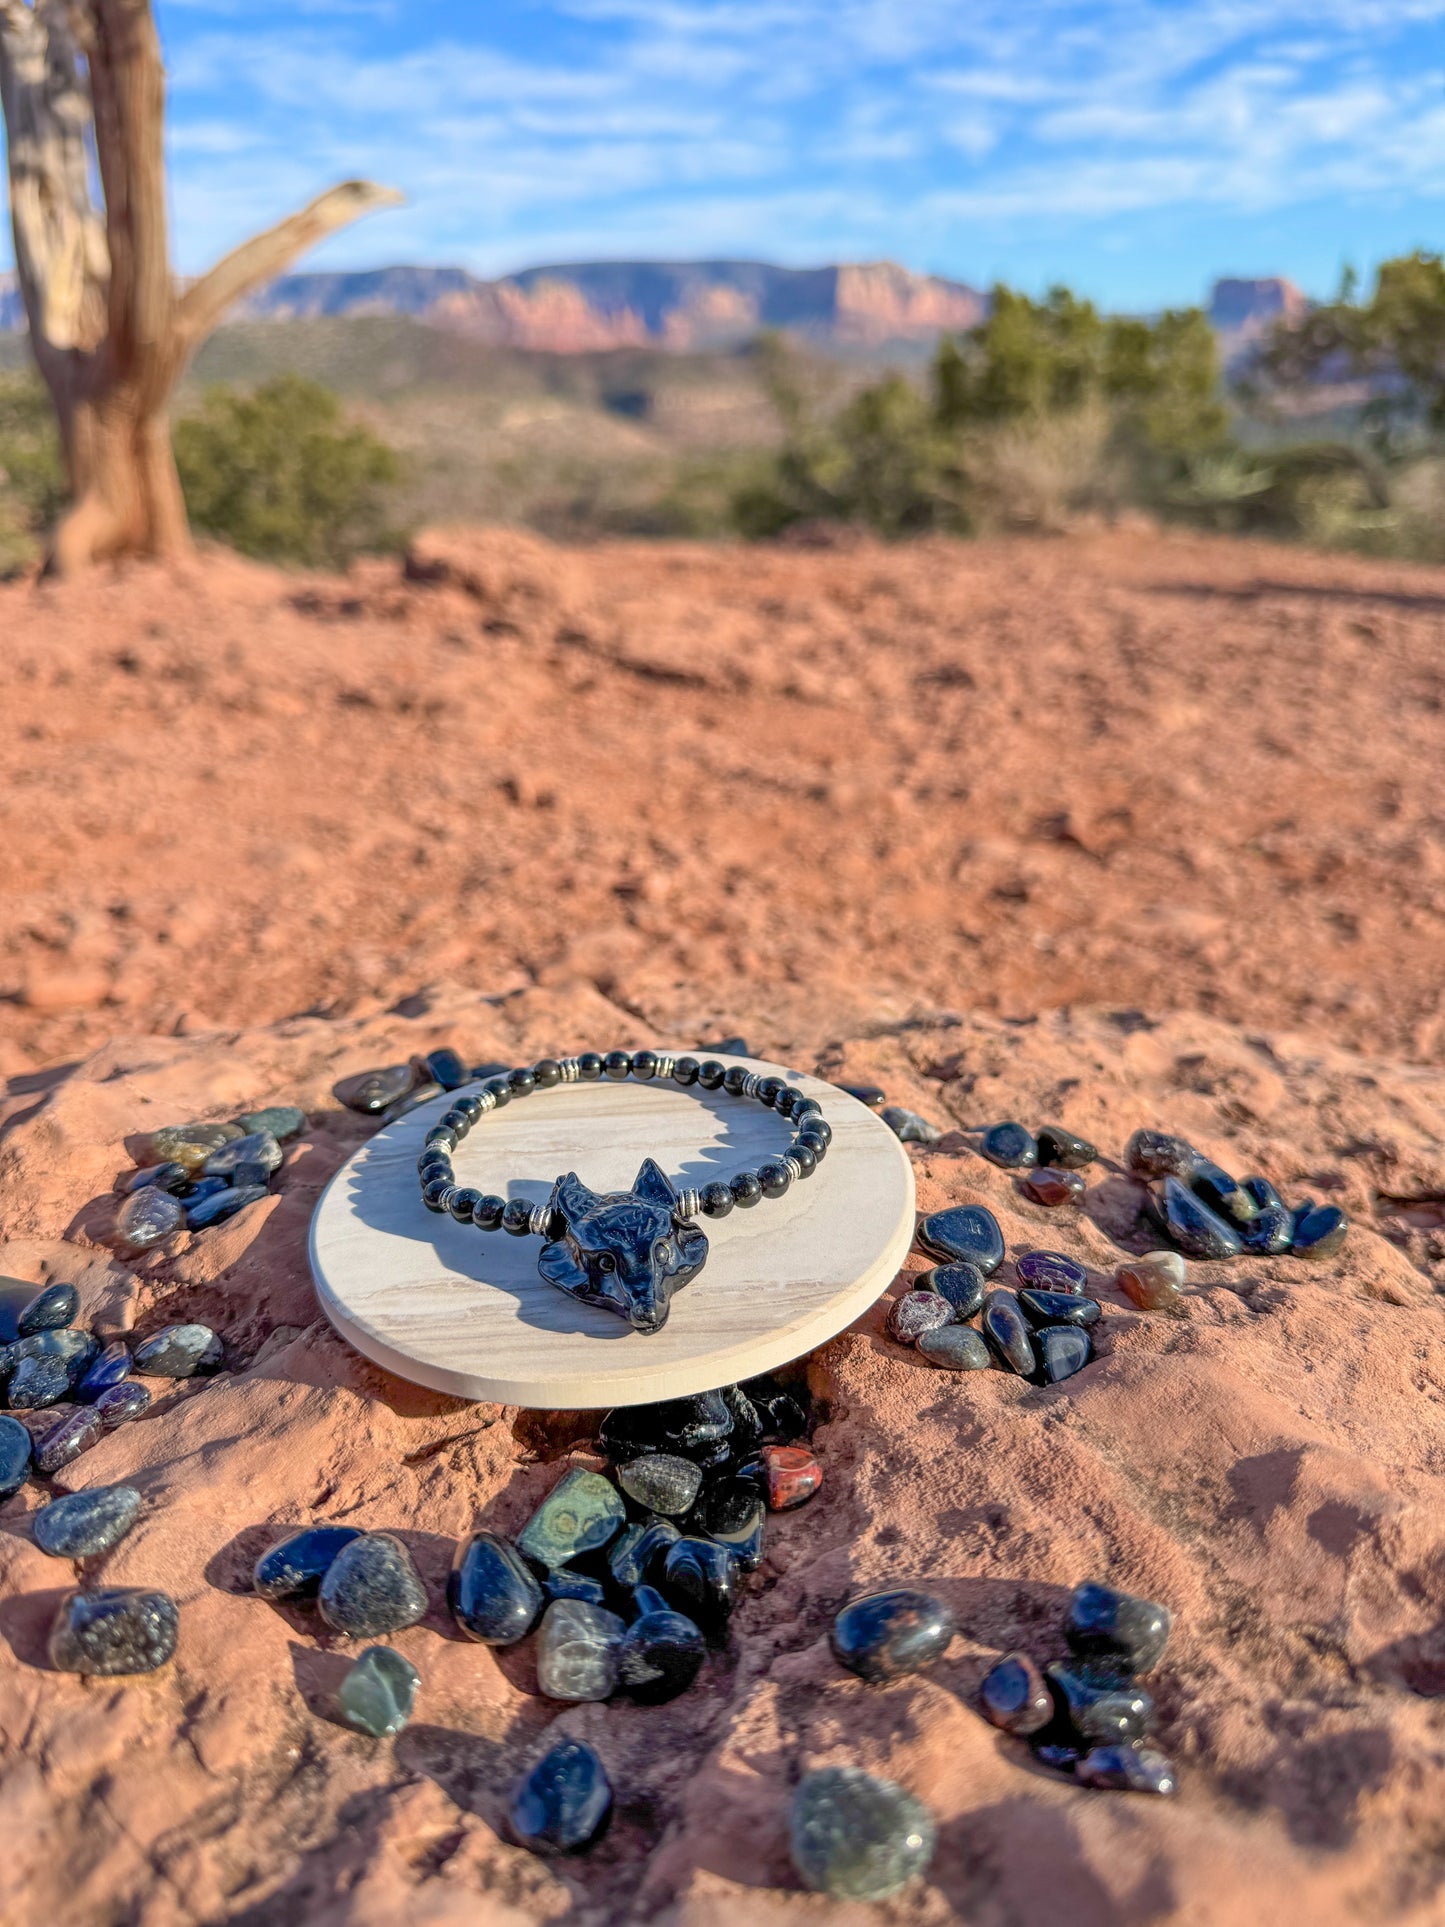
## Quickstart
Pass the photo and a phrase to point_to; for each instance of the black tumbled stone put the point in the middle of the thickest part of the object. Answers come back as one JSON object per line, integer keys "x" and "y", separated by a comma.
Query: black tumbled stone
{"x": 446, "y": 1068}
{"x": 1271, "y": 1233}
{"x": 1050, "y": 1271}
{"x": 372, "y": 1587}
{"x": 884, "y": 1635}
{"x": 1061, "y": 1148}
{"x": 114, "y": 1630}
{"x": 1059, "y": 1308}
{"x": 1007, "y": 1334}
{"x": 700, "y": 1578}
{"x": 962, "y": 1286}
{"x": 635, "y": 1557}
{"x": 661, "y": 1482}
{"x": 560, "y": 1582}
{"x": 733, "y": 1513}
{"x": 1262, "y": 1192}
{"x": 747, "y": 1423}
{"x": 373, "y": 1090}
{"x": 222, "y": 1205}
{"x": 14, "y": 1456}
{"x": 1117, "y": 1628}
{"x": 1011, "y": 1146}
{"x": 966, "y": 1234}
{"x": 109, "y": 1367}
{"x": 1127, "y": 1769}
{"x": 564, "y": 1803}
{"x": 71, "y": 1435}
{"x": 1194, "y": 1228}
{"x": 1222, "y": 1193}
{"x": 1154, "y": 1154}
{"x": 1096, "y": 1706}
{"x": 909, "y": 1127}
{"x": 1015, "y": 1696}
{"x": 295, "y": 1566}
{"x": 662, "y": 1652}
{"x": 81, "y": 1524}
{"x": 38, "y": 1381}
{"x": 1063, "y": 1350}
{"x": 873, "y": 1095}
{"x": 179, "y": 1351}
{"x": 492, "y": 1594}
{"x": 1319, "y": 1232}
{"x": 54, "y": 1306}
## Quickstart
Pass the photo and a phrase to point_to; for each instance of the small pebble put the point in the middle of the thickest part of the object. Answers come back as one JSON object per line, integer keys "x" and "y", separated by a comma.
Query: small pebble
{"x": 1154, "y": 1282}
{"x": 194, "y": 1195}
{"x": 258, "y": 1147}
{"x": 581, "y": 1513}
{"x": 916, "y": 1312}
{"x": 661, "y": 1483}
{"x": 1098, "y": 1707}
{"x": 1127, "y": 1769}
{"x": 1050, "y": 1185}
{"x": 1063, "y": 1351}
{"x": 783, "y": 1413}
{"x": 14, "y": 1456}
{"x": 909, "y": 1126}
{"x": 1059, "y": 1308}
{"x": 372, "y": 1587}
{"x": 187, "y": 1144}
{"x": 1198, "y": 1231}
{"x": 446, "y": 1068}
{"x": 1015, "y": 1696}
{"x": 966, "y": 1234}
{"x": 733, "y": 1513}
{"x": 577, "y": 1651}
{"x": 1117, "y": 1628}
{"x": 564, "y": 1803}
{"x": 638, "y": 1552}
{"x": 67, "y": 1439}
{"x": 1007, "y": 1333}
{"x": 378, "y": 1693}
{"x": 1271, "y": 1232}
{"x": 166, "y": 1177}
{"x": 1061, "y": 1148}
{"x": 148, "y": 1218}
{"x": 179, "y": 1351}
{"x": 793, "y": 1476}
{"x": 1319, "y": 1232}
{"x": 122, "y": 1403}
{"x": 38, "y": 1381}
{"x": 49, "y": 1309}
{"x": 224, "y": 1204}
{"x": 699, "y": 1579}
{"x": 1011, "y": 1146}
{"x": 962, "y": 1285}
{"x": 109, "y": 1367}
{"x": 281, "y": 1121}
{"x": 873, "y": 1095}
{"x": 1262, "y": 1192}
{"x": 857, "y": 1837}
{"x": 1154, "y": 1154}
{"x": 493, "y": 1595}
{"x": 560, "y": 1582}
{"x": 748, "y": 1426}
{"x": 372, "y": 1091}
{"x": 295, "y": 1566}
{"x": 884, "y": 1635}
{"x": 114, "y": 1630}
{"x": 661, "y": 1653}
{"x": 1051, "y": 1271}
{"x": 956, "y": 1348}
{"x": 81, "y": 1524}
{"x": 1222, "y": 1193}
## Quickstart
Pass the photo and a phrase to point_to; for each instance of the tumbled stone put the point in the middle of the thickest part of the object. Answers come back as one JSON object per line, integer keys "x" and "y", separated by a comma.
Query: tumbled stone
{"x": 295, "y": 1566}
{"x": 1116, "y": 1628}
{"x": 966, "y": 1234}
{"x": 81, "y": 1524}
{"x": 280, "y": 1121}
{"x": 662, "y": 1482}
{"x": 193, "y": 1195}
{"x": 637, "y": 1553}
{"x": 1127, "y": 1769}
{"x": 14, "y": 1456}
{"x": 49, "y": 1309}
{"x": 700, "y": 1579}
{"x": 695, "y": 1428}
{"x": 884, "y": 1635}
{"x": 1063, "y": 1759}
{"x": 564, "y": 1803}
{"x": 1050, "y": 1271}
{"x": 372, "y": 1587}
{"x": 1059, "y": 1308}
{"x": 109, "y": 1367}
{"x": 747, "y": 1427}
{"x": 413, "y": 1101}
{"x": 258, "y": 1148}
{"x": 1096, "y": 1705}
{"x": 224, "y": 1204}
{"x": 179, "y": 1351}
{"x": 733, "y": 1513}
{"x": 147, "y": 1218}
{"x": 67, "y": 1439}
{"x": 372, "y": 1091}
{"x": 873, "y": 1095}
{"x": 76, "y": 1348}
{"x": 577, "y": 1651}
{"x": 38, "y": 1381}
{"x": 782, "y": 1409}
{"x": 186, "y": 1144}
{"x": 122, "y": 1403}
{"x": 560, "y": 1582}
{"x": 1009, "y": 1145}
{"x": 962, "y": 1285}
{"x": 165, "y": 1177}
{"x": 661, "y": 1653}
{"x": 1015, "y": 1697}
{"x": 1271, "y": 1233}
{"x": 581, "y": 1513}
{"x": 1154, "y": 1154}
{"x": 909, "y": 1126}
{"x": 378, "y": 1693}
{"x": 915, "y": 1312}
{"x": 492, "y": 1594}
{"x": 1007, "y": 1334}
{"x": 445, "y": 1067}
{"x": 1063, "y": 1350}
{"x": 114, "y": 1630}
{"x": 1222, "y": 1193}
{"x": 1062, "y": 1149}
{"x": 1052, "y": 1186}
{"x": 1198, "y": 1231}
{"x": 1319, "y": 1232}
{"x": 793, "y": 1475}
{"x": 955, "y": 1348}
{"x": 1262, "y": 1192}
{"x": 1154, "y": 1282}
{"x": 857, "y": 1837}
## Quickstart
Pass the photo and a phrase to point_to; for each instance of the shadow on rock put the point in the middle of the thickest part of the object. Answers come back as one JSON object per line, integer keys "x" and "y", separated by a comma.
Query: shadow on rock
{"x": 25, "y": 1622}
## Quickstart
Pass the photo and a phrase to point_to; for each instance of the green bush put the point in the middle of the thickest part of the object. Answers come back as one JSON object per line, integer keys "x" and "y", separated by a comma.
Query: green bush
{"x": 32, "y": 474}
{"x": 279, "y": 474}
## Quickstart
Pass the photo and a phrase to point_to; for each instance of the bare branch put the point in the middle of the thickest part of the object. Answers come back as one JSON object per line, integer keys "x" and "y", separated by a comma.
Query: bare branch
{"x": 262, "y": 258}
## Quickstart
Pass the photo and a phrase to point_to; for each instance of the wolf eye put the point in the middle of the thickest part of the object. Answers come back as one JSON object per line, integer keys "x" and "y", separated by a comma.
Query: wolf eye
{"x": 662, "y": 1251}
{"x": 606, "y": 1262}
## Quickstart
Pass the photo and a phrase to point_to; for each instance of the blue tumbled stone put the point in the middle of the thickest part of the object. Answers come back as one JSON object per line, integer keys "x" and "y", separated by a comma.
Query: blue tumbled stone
{"x": 1063, "y": 1350}
{"x": 1007, "y": 1333}
{"x": 1198, "y": 1231}
{"x": 884, "y": 1635}
{"x": 965, "y": 1233}
{"x": 564, "y": 1803}
{"x": 295, "y": 1566}
{"x": 109, "y": 1368}
{"x": 493, "y": 1596}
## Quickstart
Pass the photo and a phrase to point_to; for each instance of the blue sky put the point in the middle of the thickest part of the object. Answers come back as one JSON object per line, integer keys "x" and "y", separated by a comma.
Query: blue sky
{"x": 1133, "y": 148}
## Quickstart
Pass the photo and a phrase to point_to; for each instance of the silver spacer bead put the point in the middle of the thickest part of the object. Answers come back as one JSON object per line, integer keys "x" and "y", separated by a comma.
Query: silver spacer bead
{"x": 689, "y": 1203}
{"x": 794, "y": 1168}
{"x": 487, "y": 1100}
{"x": 541, "y": 1219}
{"x": 750, "y": 1084}
{"x": 666, "y": 1064}
{"x": 571, "y": 1069}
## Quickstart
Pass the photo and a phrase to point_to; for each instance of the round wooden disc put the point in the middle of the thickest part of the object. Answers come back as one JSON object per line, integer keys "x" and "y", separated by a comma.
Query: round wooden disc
{"x": 465, "y": 1311}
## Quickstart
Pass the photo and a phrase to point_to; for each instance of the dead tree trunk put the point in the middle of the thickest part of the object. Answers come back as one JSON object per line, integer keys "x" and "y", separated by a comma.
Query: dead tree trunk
{"x": 110, "y": 330}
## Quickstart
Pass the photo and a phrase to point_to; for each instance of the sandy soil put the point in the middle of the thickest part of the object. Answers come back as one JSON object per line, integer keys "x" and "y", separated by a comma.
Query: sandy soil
{"x": 1121, "y": 829}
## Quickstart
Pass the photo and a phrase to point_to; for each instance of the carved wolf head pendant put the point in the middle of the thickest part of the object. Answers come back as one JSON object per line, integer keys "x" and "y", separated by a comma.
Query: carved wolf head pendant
{"x": 627, "y": 1251}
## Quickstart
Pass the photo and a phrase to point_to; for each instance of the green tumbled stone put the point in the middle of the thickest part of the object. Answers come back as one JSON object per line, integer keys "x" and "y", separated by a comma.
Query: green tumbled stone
{"x": 187, "y": 1144}
{"x": 379, "y": 1692}
{"x": 858, "y": 1837}
{"x": 282, "y": 1121}
{"x": 580, "y": 1514}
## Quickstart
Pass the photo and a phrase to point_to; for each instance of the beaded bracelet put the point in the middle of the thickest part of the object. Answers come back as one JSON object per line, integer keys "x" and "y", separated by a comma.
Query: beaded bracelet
{"x": 626, "y": 1251}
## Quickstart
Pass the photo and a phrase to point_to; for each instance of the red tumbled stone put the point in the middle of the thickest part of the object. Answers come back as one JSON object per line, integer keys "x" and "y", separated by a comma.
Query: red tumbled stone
{"x": 794, "y": 1475}
{"x": 1050, "y": 1185}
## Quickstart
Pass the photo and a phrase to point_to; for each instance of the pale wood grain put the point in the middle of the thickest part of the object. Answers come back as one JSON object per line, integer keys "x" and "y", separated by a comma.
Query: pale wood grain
{"x": 465, "y": 1311}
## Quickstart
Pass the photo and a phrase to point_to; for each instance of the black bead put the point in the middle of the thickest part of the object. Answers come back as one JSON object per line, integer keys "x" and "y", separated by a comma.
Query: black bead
{"x": 589, "y": 1066}
{"x": 806, "y": 1107}
{"x": 735, "y": 1079}
{"x": 500, "y": 1090}
{"x": 432, "y": 1155}
{"x": 644, "y": 1064}
{"x": 819, "y": 1126}
{"x": 617, "y": 1063}
{"x": 442, "y": 1134}
{"x": 812, "y": 1141}
{"x": 746, "y": 1189}
{"x": 774, "y": 1177}
{"x": 804, "y": 1157}
{"x": 522, "y": 1082}
{"x": 434, "y": 1191}
{"x": 768, "y": 1091}
{"x": 487, "y": 1212}
{"x": 710, "y": 1073}
{"x": 684, "y": 1071}
{"x": 457, "y": 1120}
{"x": 517, "y": 1217}
{"x": 547, "y": 1073}
{"x": 788, "y": 1097}
{"x": 470, "y": 1107}
{"x": 717, "y": 1200}
{"x": 463, "y": 1202}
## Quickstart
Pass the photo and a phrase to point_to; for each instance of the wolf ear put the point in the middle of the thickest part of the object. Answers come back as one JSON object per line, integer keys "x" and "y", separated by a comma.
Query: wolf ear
{"x": 572, "y": 1198}
{"x": 653, "y": 1187}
